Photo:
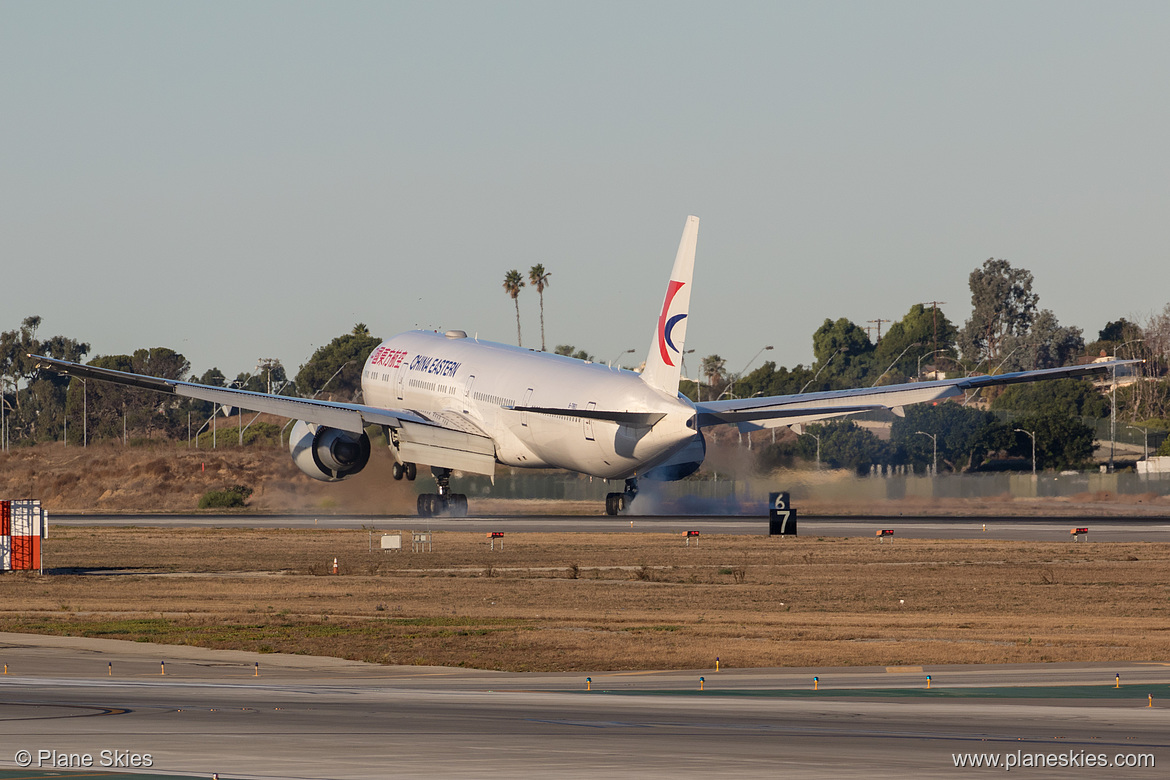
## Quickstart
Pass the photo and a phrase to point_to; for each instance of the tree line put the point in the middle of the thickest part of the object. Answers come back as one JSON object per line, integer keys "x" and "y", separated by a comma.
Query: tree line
{"x": 39, "y": 405}
{"x": 1007, "y": 331}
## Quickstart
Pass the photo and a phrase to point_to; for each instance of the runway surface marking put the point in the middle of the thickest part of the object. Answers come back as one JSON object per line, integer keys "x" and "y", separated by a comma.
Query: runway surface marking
{"x": 31, "y": 775}
{"x": 1136, "y": 692}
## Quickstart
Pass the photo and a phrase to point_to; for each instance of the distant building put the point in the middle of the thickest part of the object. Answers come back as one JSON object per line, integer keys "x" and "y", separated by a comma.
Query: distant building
{"x": 1158, "y": 464}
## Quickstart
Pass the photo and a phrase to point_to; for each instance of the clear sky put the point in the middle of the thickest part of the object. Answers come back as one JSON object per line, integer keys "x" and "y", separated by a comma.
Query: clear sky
{"x": 237, "y": 180}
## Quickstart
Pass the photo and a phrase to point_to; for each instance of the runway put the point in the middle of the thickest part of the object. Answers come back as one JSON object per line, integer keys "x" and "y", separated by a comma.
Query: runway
{"x": 306, "y": 717}
{"x": 1144, "y": 529}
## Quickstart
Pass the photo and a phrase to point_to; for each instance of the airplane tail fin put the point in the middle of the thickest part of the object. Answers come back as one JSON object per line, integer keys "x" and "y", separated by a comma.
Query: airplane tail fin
{"x": 664, "y": 362}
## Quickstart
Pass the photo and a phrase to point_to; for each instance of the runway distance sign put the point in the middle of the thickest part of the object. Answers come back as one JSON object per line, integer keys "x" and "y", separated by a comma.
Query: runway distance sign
{"x": 781, "y": 515}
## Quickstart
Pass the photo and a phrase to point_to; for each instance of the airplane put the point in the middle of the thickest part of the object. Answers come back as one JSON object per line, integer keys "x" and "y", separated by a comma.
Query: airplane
{"x": 456, "y": 403}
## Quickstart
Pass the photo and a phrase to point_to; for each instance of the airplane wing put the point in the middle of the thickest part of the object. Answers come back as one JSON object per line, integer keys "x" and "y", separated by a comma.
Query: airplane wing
{"x": 346, "y": 417}
{"x": 754, "y": 413}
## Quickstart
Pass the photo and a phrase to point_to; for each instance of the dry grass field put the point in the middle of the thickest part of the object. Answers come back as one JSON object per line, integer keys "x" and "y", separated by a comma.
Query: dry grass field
{"x": 598, "y": 602}
{"x": 170, "y": 477}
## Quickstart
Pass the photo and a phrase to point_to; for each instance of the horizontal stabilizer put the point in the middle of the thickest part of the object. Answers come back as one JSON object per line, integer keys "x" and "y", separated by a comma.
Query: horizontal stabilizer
{"x": 637, "y": 419}
{"x": 749, "y": 415}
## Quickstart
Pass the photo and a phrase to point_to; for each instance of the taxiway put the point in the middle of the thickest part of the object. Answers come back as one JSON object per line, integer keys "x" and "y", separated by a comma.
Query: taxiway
{"x": 302, "y": 717}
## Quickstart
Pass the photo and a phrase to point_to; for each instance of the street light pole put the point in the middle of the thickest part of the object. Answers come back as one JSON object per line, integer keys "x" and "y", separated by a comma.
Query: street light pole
{"x": 1032, "y": 436}
{"x": 997, "y": 368}
{"x": 934, "y": 442}
{"x": 918, "y": 369}
{"x": 698, "y": 387}
{"x": 1113, "y": 405}
{"x": 330, "y": 379}
{"x": 819, "y": 370}
{"x": 1145, "y": 440}
{"x": 892, "y": 364}
{"x": 619, "y": 356}
{"x": 818, "y": 438}
{"x": 3, "y": 418}
{"x": 745, "y": 368}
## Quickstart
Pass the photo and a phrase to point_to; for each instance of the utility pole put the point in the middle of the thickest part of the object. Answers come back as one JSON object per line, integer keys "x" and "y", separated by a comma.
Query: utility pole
{"x": 878, "y": 322}
{"x": 934, "y": 315}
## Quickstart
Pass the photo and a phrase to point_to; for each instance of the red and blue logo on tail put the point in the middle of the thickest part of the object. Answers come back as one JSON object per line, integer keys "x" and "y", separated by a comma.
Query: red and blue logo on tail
{"x": 666, "y": 323}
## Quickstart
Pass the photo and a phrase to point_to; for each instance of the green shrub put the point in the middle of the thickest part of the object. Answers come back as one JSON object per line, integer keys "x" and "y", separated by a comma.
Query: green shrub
{"x": 228, "y": 435}
{"x": 234, "y": 496}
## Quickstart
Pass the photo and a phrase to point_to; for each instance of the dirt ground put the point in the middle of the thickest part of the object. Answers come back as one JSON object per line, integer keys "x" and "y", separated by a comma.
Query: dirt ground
{"x": 172, "y": 477}
{"x": 558, "y": 601}
{"x": 597, "y": 602}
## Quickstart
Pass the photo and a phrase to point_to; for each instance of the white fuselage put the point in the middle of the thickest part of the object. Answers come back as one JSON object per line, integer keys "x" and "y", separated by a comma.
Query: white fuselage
{"x": 477, "y": 380}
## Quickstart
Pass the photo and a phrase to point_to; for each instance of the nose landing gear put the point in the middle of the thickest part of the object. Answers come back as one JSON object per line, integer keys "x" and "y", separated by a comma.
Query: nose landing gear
{"x": 400, "y": 470}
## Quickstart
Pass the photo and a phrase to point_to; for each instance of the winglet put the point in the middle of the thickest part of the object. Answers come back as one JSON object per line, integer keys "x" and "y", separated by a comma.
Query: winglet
{"x": 664, "y": 362}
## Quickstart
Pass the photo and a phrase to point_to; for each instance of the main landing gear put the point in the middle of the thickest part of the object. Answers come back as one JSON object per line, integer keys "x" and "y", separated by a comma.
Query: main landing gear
{"x": 444, "y": 502}
{"x": 617, "y": 503}
{"x": 433, "y": 504}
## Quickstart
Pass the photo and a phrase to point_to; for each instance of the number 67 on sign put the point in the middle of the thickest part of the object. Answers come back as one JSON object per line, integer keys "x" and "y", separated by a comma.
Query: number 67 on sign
{"x": 781, "y": 515}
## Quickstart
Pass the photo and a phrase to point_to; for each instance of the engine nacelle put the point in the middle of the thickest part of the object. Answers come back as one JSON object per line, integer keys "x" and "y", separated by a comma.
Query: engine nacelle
{"x": 328, "y": 454}
{"x": 683, "y": 463}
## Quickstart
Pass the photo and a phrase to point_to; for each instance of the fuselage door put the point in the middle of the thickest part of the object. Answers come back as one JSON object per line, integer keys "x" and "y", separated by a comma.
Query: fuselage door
{"x": 527, "y": 400}
{"x": 587, "y": 422}
{"x": 401, "y": 383}
{"x": 467, "y": 394}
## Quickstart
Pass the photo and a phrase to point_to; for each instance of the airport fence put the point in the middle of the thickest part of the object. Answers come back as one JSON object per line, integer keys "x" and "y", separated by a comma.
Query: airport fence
{"x": 718, "y": 495}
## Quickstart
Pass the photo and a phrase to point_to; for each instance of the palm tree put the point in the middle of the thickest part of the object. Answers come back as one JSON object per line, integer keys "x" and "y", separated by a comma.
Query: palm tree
{"x": 539, "y": 278}
{"x": 713, "y": 368}
{"x": 513, "y": 281}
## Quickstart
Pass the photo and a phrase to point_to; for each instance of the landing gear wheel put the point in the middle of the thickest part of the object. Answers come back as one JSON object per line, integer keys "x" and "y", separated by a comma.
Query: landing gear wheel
{"x": 397, "y": 471}
{"x": 432, "y": 505}
{"x": 457, "y": 503}
{"x": 411, "y": 471}
{"x": 615, "y": 503}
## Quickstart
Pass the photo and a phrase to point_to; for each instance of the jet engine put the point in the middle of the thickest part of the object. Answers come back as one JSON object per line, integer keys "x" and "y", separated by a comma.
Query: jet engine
{"x": 682, "y": 463}
{"x": 328, "y": 454}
